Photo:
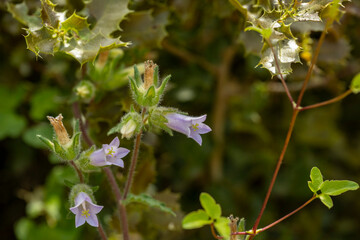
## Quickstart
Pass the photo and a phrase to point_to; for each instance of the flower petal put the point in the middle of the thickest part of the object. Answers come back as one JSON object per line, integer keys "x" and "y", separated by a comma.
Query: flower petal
{"x": 98, "y": 158}
{"x": 92, "y": 220}
{"x": 79, "y": 220}
{"x": 121, "y": 152}
{"x": 195, "y": 120}
{"x": 115, "y": 142}
{"x": 178, "y": 122}
{"x": 203, "y": 128}
{"x": 117, "y": 162}
{"x": 94, "y": 209}
{"x": 196, "y": 137}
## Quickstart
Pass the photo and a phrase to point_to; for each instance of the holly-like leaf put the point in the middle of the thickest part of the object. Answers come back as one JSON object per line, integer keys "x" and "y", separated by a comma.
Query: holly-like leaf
{"x": 78, "y": 24}
{"x": 222, "y": 226}
{"x": 210, "y": 206}
{"x": 145, "y": 28}
{"x": 355, "y": 84}
{"x": 196, "y": 219}
{"x": 326, "y": 200}
{"x": 337, "y": 187}
{"x": 20, "y": 13}
{"x": 42, "y": 40}
{"x": 109, "y": 14}
{"x": 48, "y": 15}
{"x": 149, "y": 201}
{"x": 316, "y": 179}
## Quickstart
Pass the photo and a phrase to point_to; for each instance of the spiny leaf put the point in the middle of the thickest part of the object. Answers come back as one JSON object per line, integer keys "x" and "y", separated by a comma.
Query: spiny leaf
{"x": 41, "y": 40}
{"x": 48, "y": 14}
{"x": 196, "y": 219}
{"x": 146, "y": 29}
{"x": 109, "y": 14}
{"x": 337, "y": 187}
{"x": 76, "y": 23}
{"x": 149, "y": 201}
{"x": 20, "y": 13}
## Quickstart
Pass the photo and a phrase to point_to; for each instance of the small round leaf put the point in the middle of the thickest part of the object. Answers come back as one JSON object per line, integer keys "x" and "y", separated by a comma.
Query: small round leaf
{"x": 196, "y": 219}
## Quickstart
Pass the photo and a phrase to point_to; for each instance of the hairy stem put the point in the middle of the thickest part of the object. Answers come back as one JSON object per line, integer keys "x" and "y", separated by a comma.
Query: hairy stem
{"x": 101, "y": 232}
{"x": 79, "y": 173}
{"x": 77, "y": 114}
{"x": 134, "y": 158}
{"x": 335, "y": 99}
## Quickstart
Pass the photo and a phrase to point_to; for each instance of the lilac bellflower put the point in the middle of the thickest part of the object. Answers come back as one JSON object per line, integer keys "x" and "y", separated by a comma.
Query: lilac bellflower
{"x": 85, "y": 210}
{"x": 109, "y": 154}
{"x": 192, "y": 127}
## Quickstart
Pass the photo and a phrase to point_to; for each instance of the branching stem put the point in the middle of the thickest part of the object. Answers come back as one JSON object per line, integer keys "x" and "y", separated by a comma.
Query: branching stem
{"x": 79, "y": 173}
{"x": 333, "y": 100}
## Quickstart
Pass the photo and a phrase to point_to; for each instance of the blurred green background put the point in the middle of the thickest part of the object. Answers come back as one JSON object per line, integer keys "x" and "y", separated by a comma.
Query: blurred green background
{"x": 212, "y": 63}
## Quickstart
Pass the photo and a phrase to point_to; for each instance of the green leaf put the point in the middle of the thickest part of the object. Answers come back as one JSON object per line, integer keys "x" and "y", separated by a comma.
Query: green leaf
{"x": 222, "y": 226}
{"x": 11, "y": 125}
{"x": 43, "y": 102}
{"x": 316, "y": 179}
{"x": 109, "y": 14}
{"x": 337, "y": 187}
{"x": 145, "y": 29}
{"x": 196, "y": 219}
{"x": 210, "y": 206}
{"x": 20, "y": 13}
{"x": 76, "y": 23}
{"x": 326, "y": 200}
{"x": 355, "y": 84}
{"x": 149, "y": 201}
{"x": 241, "y": 228}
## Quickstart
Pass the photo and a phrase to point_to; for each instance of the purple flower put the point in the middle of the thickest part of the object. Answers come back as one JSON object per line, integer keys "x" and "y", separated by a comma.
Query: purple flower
{"x": 109, "y": 154}
{"x": 85, "y": 210}
{"x": 192, "y": 127}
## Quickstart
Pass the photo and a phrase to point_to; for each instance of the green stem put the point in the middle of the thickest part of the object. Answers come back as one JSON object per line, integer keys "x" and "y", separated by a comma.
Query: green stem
{"x": 79, "y": 173}
{"x": 335, "y": 99}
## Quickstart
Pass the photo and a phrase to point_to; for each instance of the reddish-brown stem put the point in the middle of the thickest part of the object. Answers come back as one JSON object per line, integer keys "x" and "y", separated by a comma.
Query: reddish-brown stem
{"x": 134, "y": 158}
{"x": 288, "y": 136}
{"x": 79, "y": 173}
{"x": 213, "y": 232}
{"x": 124, "y": 223}
{"x": 312, "y": 64}
{"x": 291, "y": 127}
{"x": 101, "y": 232}
{"x": 279, "y": 70}
{"x": 288, "y": 215}
{"x": 77, "y": 114}
{"x": 114, "y": 186}
{"x": 335, "y": 99}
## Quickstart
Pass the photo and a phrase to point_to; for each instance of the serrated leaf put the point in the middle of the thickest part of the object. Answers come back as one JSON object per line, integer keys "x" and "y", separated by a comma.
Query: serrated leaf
{"x": 85, "y": 51}
{"x": 48, "y": 14}
{"x": 78, "y": 24}
{"x": 355, "y": 84}
{"x": 149, "y": 201}
{"x": 145, "y": 29}
{"x": 316, "y": 179}
{"x": 20, "y": 13}
{"x": 326, "y": 200}
{"x": 337, "y": 187}
{"x": 196, "y": 219}
{"x": 41, "y": 40}
{"x": 109, "y": 14}
{"x": 211, "y": 207}
{"x": 222, "y": 226}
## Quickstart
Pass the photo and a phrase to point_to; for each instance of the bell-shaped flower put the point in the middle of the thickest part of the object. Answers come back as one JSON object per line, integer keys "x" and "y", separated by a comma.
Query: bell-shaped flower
{"x": 192, "y": 127}
{"x": 85, "y": 210}
{"x": 109, "y": 154}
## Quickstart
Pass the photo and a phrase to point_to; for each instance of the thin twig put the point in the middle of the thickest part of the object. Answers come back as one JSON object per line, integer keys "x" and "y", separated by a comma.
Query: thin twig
{"x": 213, "y": 232}
{"x": 288, "y": 215}
{"x": 335, "y": 99}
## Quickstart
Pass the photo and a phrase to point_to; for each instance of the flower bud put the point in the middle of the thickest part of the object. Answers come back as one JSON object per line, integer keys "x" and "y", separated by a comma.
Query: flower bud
{"x": 128, "y": 129}
{"x": 147, "y": 93}
{"x": 85, "y": 91}
{"x": 59, "y": 128}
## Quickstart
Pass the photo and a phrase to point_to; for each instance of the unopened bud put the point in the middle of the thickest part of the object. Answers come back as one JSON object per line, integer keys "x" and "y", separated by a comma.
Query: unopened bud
{"x": 149, "y": 73}
{"x": 128, "y": 129}
{"x": 59, "y": 128}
